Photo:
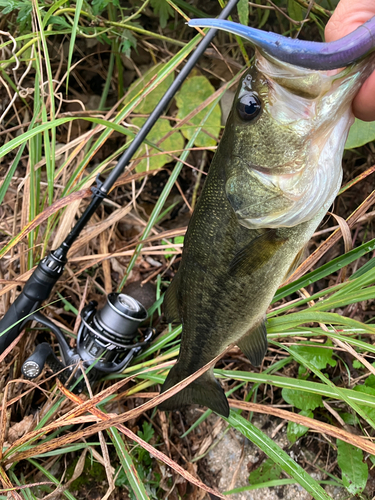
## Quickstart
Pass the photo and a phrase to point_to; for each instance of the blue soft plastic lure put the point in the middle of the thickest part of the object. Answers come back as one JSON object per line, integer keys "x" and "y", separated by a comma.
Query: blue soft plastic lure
{"x": 312, "y": 55}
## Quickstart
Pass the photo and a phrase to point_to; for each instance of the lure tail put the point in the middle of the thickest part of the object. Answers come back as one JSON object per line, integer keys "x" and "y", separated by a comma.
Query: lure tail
{"x": 313, "y": 55}
{"x": 205, "y": 391}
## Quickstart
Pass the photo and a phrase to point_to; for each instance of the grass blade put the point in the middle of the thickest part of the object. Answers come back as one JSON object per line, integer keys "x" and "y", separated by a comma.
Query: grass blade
{"x": 73, "y": 36}
{"x": 298, "y": 384}
{"x": 278, "y": 455}
{"x": 323, "y": 271}
{"x": 128, "y": 465}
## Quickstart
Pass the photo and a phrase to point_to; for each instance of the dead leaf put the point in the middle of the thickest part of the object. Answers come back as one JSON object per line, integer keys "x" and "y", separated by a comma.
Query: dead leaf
{"x": 311, "y": 423}
{"x": 153, "y": 451}
{"x": 331, "y": 240}
{"x": 20, "y": 428}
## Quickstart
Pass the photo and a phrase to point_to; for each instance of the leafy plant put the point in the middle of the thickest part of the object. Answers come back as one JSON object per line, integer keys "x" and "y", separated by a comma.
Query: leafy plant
{"x": 317, "y": 341}
{"x": 354, "y": 470}
{"x": 243, "y": 11}
{"x": 176, "y": 239}
{"x": 143, "y": 463}
{"x": 302, "y": 400}
{"x": 163, "y": 9}
{"x": 268, "y": 471}
{"x": 155, "y": 160}
{"x": 193, "y": 92}
{"x": 295, "y": 431}
{"x": 151, "y": 99}
{"x": 24, "y": 9}
{"x": 127, "y": 41}
{"x": 360, "y": 134}
{"x": 98, "y": 6}
{"x": 295, "y": 10}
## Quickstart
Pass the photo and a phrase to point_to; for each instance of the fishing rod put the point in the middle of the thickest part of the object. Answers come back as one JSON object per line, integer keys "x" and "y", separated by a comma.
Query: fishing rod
{"x": 106, "y": 337}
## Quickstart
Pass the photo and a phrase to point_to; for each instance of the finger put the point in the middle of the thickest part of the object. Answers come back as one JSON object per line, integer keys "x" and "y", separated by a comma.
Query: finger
{"x": 364, "y": 102}
{"x": 346, "y": 18}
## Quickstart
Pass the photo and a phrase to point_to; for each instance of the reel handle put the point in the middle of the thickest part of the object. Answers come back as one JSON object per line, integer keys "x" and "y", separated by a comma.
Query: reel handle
{"x": 34, "y": 364}
{"x": 43, "y": 354}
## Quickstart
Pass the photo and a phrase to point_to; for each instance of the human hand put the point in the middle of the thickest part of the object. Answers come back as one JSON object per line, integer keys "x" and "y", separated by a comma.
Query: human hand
{"x": 347, "y": 17}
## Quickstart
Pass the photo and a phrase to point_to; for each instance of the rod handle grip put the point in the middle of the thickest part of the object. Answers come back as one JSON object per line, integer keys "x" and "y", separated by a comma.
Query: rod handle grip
{"x": 36, "y": 290}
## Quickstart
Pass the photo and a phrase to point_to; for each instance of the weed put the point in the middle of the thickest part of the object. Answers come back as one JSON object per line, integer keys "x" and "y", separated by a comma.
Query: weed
{"x": 56, "y": 61}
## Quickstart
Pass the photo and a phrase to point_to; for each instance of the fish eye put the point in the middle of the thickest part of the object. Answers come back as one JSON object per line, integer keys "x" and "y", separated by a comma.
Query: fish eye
{"x": 248, "y": 107}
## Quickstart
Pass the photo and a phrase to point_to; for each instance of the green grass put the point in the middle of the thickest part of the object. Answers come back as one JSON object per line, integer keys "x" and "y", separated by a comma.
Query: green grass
{"x": 312, "y": 340}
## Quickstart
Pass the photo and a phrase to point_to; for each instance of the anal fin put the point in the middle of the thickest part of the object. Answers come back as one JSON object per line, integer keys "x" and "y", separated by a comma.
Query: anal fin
{"x": 254, "y": 344}
{"x": 171, "y": 302}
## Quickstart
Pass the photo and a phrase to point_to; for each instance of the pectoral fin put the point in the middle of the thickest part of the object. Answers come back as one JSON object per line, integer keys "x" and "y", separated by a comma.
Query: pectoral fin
{"x": 256, "y": 254}
{"x": 171, "y": 302}
{"x": 254, "y": 344}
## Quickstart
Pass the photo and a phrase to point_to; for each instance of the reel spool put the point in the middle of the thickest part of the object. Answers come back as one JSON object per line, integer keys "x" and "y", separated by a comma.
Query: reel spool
{"x": 108, "y": 333}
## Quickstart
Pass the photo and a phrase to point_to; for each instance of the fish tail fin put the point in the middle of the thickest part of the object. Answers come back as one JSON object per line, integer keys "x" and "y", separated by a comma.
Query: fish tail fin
{"x": 205, "y": 391}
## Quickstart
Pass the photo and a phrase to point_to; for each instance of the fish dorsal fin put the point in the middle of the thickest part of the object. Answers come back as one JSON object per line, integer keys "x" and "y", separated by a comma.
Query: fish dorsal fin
{"x": 254, "y": 344}
{"x": 257, "y": 253}
{"x": 171, "y": 312}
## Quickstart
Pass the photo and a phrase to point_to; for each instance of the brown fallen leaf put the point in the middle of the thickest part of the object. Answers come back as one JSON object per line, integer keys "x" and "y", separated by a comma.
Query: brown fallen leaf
{"x": 153, "y": 451}
{"x": 12, "y": 455}
{"x": 20, "y": 428}
{"x": 311, "y": 423}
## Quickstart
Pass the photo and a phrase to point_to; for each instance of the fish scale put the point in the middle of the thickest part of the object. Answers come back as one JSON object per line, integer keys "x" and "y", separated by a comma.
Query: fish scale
{"x": 216, "y": 308}
{"x": 236, "y": 251}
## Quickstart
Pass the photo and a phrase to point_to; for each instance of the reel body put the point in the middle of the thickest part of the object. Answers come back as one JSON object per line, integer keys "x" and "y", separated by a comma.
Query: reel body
{"x": 105, "y": 341}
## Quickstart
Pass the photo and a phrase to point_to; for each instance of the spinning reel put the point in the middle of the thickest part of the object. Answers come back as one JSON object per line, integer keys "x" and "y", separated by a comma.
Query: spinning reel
{"x": 105, "y": 341}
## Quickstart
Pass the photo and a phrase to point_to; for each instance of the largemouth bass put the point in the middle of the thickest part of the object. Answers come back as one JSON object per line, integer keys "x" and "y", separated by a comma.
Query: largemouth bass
{"x": 274, "y": 175}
